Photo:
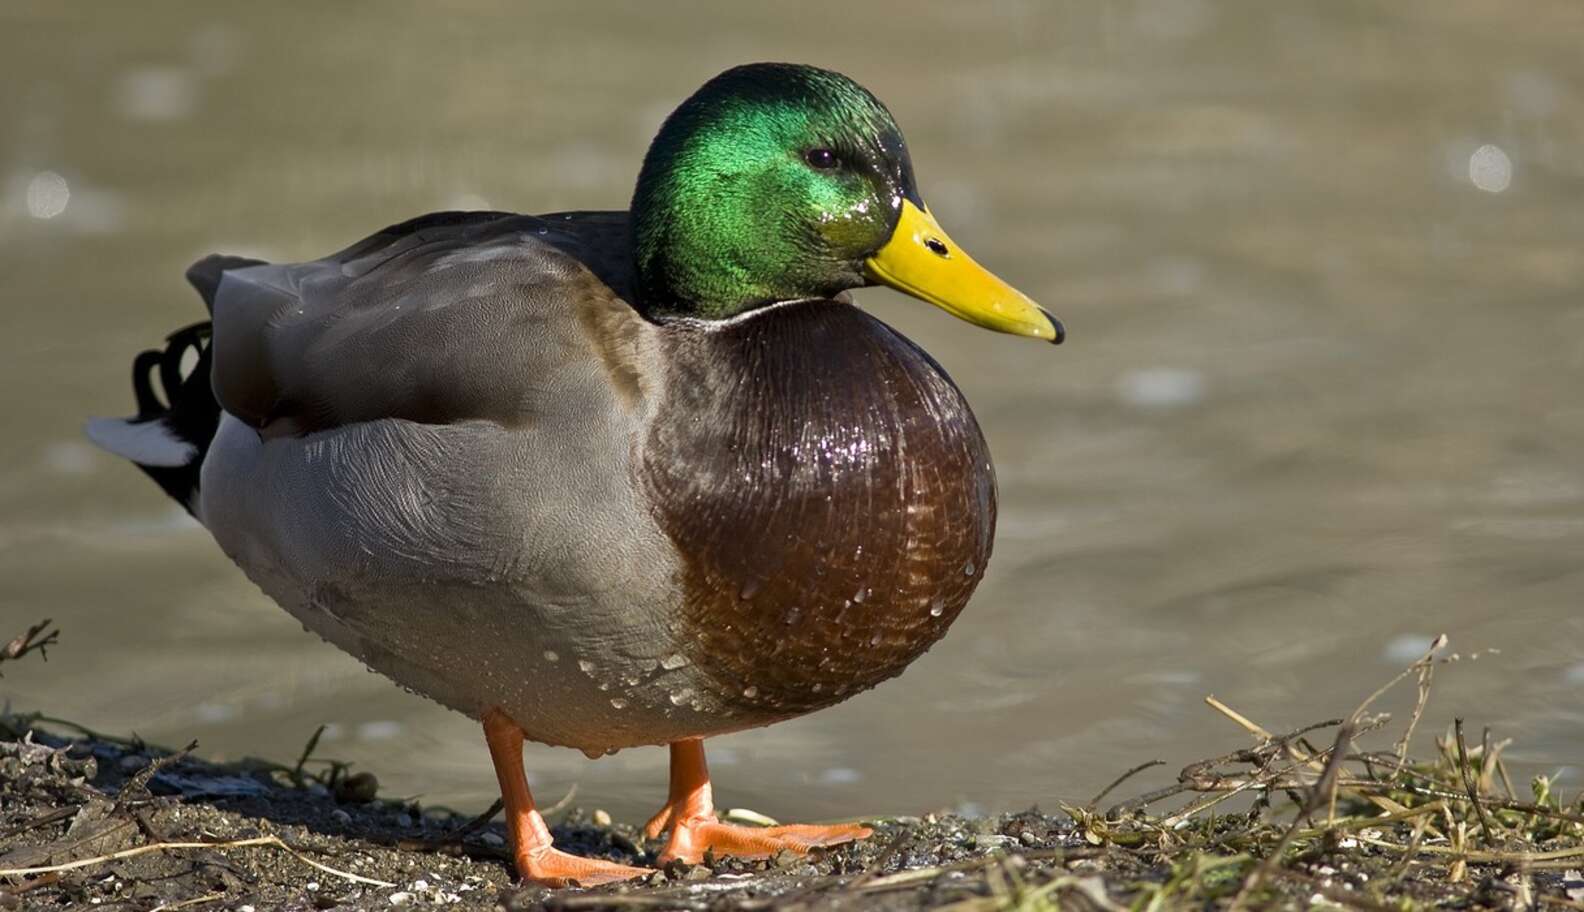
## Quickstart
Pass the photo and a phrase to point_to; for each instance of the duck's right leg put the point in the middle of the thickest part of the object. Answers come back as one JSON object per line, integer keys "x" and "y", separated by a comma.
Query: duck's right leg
{"x": 537, "y": 860}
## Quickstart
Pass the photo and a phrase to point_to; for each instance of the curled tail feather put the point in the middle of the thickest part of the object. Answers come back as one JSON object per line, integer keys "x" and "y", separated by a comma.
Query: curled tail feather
{"x": 171, "y": 432}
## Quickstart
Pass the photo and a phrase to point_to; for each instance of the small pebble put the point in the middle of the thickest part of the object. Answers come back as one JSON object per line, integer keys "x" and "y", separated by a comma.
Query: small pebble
{"x": 492, "y": 839}
{"x": 400, "y": 898}
{"x": 601, "y": 818}
{"x": 133, "y": 762}
{"x": 746, "y": 815}
{"x": 357, "y": 788}
{"x": 404, "y": 820}
{"x": 340, "y": 816}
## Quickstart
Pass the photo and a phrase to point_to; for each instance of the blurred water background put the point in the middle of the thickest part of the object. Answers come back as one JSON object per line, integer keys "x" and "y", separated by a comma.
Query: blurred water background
{"x": 1321, "y": 264}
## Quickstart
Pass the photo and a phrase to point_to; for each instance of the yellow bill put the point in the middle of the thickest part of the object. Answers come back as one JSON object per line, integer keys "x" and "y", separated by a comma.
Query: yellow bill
{"x": 922, "y": 261}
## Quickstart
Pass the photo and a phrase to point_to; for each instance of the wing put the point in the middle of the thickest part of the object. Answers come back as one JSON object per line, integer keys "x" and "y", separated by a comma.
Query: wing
{"x": 448, "y": 317}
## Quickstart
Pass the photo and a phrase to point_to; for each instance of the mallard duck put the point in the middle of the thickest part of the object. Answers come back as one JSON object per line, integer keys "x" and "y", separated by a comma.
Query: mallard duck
{"x": 609, "y": 479}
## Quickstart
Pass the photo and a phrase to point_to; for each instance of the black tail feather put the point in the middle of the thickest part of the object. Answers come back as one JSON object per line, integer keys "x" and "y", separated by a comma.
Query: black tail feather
{"x": 188, "y": 411}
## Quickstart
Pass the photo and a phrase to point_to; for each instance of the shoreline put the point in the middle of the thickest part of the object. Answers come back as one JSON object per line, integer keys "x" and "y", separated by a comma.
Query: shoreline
{"x": 1314, "y": 816}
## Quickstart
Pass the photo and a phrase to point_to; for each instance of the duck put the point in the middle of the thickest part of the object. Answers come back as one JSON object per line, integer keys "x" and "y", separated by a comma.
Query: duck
{"x": 609, "y": 479}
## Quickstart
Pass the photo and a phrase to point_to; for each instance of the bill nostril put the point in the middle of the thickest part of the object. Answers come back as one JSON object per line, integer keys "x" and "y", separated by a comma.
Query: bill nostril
{"x": 937, "y": 247}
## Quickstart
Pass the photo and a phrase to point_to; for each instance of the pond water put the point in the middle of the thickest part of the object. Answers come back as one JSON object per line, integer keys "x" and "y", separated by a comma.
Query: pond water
{"x": 1321, "y": 400}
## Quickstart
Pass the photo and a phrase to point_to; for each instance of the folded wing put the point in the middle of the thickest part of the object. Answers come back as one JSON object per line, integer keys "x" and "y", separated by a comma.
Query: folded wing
{"x": 449, "y": 317}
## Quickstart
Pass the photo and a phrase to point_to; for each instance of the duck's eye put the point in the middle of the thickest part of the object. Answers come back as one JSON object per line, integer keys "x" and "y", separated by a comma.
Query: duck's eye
{"x": 823, "y": 159}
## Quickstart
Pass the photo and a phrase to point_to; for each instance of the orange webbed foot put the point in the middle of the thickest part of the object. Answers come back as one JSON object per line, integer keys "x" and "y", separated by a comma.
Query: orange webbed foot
{"x": 689, "y": 814}
{"x": 691, "y": 838}
{"x": 550, "y": 867}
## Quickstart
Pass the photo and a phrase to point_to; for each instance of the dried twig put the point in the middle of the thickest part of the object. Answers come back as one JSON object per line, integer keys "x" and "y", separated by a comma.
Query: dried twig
{"x": 1436, "y": 645}
{"x": 1121, "y": 779}
{"x": 184, "y": 903}
{"x": 1204, "y": 775}
{"x": 1426, "y": 671}
{"x": 274, "y": 841}
{"x": 551, "y": 812}
{"x": 1247, "y": 724}
{"x": 54, "y": 816}
{"x": 307, "y": 751}
{"x": 142, "y": 777}
{"x": 1531, "y": 859}
{"x": 37, "y": 638}
{"x": 480, "y": 821}
{"x": 1488, "y": 836}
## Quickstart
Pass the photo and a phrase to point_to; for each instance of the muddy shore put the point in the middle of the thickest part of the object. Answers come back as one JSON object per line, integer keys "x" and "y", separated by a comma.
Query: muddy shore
{"x": 277, "y": 845}
{"x": 1332, "y": 814}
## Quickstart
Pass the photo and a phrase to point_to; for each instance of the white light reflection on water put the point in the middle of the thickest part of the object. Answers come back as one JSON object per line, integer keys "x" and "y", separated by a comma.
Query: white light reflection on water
{"x": 1490, "y": 169}
{"x": 48, "y": 195}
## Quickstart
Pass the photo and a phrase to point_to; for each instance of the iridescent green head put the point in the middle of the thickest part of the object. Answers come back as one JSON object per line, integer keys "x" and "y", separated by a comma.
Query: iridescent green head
{"x": 778, "y": 182}
{"x": 772, "y": 182}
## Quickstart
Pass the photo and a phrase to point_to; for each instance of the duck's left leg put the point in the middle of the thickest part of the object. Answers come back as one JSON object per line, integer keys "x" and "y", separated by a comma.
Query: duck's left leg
{"x": 537, "y": 860}
{"x": 690, "y": 815}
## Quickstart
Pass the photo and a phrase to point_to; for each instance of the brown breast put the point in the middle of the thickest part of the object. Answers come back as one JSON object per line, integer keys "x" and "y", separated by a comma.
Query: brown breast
{"x": 830, "y": 495}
